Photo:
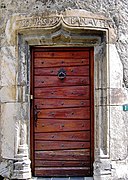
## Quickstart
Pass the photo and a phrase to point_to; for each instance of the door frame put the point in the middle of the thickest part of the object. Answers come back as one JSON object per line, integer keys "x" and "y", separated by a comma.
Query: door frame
{"x": 91, "y": 76}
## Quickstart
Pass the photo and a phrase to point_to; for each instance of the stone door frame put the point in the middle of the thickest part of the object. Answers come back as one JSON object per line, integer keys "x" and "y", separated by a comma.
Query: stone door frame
{"x": 73, "y": 28}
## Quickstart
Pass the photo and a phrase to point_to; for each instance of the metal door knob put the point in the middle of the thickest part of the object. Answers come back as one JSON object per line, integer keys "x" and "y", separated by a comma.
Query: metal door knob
{"x": 61, "y": 74}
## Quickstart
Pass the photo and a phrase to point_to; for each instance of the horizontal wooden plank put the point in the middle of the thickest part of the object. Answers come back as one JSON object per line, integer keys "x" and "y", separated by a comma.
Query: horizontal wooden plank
{"x": 67, "y": 155}
{"x": 74, "y": 92}
{"x": 50, "y": 163}
{"x": 52, "y": 125}
{"x": 60, "y": 136}
{"x": 53, "y": 62}
{"x": 60, "y": 103}
{"x": 70, "y": 71}
{"x": 59, "y": 171}
{"x": 49, "y": 81}
{"x": 64, "y": 54}
{"x": 58, "y": 145}
{"x": 65, "y": 113}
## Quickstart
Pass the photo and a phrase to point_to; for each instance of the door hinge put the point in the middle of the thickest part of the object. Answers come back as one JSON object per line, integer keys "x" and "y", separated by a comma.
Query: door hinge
{"x": 31, "y": 97}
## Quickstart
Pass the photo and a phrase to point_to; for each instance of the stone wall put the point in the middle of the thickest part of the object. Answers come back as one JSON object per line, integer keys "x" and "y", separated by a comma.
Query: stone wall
{"x": 112, "y": 163}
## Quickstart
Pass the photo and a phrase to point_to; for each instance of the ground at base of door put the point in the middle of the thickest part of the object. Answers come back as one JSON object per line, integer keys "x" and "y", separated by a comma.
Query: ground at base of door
{"x": 64, "y": 178}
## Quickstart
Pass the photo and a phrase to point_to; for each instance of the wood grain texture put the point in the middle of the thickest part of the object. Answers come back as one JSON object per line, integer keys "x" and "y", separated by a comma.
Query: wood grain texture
{"x": 57, "y": 145}
{"x": 44, "y": 163}
{"x": 65, "y": 113}
{"x": 51, "y": 81}
{"x": 60, "y": 103}
{"x": 50, "y": 125}
{"x": 62, "y": 53}
{"x": 69, "y": 171}
{"x": 77, "y": 92}
{"x": 67, "y": 155}
{"x": 53, "y": 62}
{"x": 66, "y": 136}
{"x": 70, "y": 71}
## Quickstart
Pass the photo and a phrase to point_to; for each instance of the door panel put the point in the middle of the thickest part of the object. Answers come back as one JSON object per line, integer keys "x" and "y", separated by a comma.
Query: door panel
{"x": 62, "y": 112}
{"x": 48, "y": 81}
{"x": 64, "y": 163}
{"x": 65, "y": 136}
{"x": 54, "y": 62}
{"x": 77, "y": 92}
{"x": 70, "y": 53}
{"x": 67, "y": 155}
{"x": 70, "y": 71}
{"x": 78, "y": 171}
{"x": 65, "y": 113}
{"x": 56, "y": 103}
{"x": 51, "y": 125}
{"x": 57, "y": 145}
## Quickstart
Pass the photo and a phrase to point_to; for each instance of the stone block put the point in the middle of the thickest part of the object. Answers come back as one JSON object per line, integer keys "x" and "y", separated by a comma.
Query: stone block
{"x": 103, "y": 177}
{"x": 118, "y": 133}
{"x": 102, "y": 97}
{"x": 6, "y": 169}
{"x": 8, "y": 66}
{"x": 102, "y": 128}
{"x": 119, "y": 170}
{"x": 102, "y": 167}
{"x": 8, "y": 129}
{"x": 112, "y": 36}
{"x": 101, "y": 72}
{"x": 118, "y": 149}
{"x": 116, "y": 68}
{"x": 8, "y": 94}
{"x": 118, "y": 96}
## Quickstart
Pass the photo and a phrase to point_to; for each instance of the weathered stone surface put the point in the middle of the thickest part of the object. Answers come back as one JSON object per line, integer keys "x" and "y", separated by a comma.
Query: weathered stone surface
{"x": 101, "y": 67}
{"x": 103, "y": 167}
{"x": 116, "y": 68}
{"x": 120, "y": 169}
{"x": 8, "y": 129}
{"x": 118, "y": 133}
{"x": 6, "y": 168}
{"x": 118, "y": 96}
{"x": 8, "y": 93}
{"x": 8, "y": 66}
{"x": 102, "y": 97}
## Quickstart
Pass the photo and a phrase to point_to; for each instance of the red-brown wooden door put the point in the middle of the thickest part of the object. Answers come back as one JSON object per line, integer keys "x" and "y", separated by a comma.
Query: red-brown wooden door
{"x": 62, "y": 112}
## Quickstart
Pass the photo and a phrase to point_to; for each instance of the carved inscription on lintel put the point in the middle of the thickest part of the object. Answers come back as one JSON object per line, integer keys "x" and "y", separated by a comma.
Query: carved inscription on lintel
{"x": 72, "y": 21}
{"x": 85, "y": 21}
{"x": 38, "y": 22}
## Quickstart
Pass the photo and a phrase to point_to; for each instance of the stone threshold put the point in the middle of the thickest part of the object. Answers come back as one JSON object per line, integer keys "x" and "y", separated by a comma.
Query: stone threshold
{"x": 63, "y": 178}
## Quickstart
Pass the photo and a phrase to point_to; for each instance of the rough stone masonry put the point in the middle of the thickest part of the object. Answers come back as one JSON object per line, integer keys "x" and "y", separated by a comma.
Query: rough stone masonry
{"x": 18, "y": 30}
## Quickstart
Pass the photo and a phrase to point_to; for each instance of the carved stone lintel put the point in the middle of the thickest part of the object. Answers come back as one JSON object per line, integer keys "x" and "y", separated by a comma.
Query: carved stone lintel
{"x": 70, "y": 19}
{"x": 76, "y": 21}
{"x": 37, "y": 22}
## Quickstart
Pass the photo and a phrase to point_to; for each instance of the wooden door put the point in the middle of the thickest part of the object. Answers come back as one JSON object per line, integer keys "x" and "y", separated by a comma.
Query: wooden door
{"x": 62, "y": 111}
